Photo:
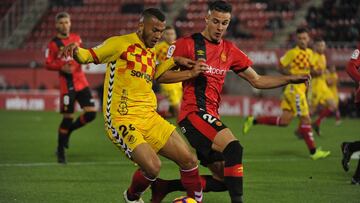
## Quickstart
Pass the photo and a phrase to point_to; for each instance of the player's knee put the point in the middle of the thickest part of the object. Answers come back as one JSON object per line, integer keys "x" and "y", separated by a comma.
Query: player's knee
{"x": 154, "y": 169}
{"x": 66, "y": 122}
{"x": 90, "y": 116}
{"x": 188, "y": 161}
{"x": 284, "y": 122}
{"x": 233, "y": 153}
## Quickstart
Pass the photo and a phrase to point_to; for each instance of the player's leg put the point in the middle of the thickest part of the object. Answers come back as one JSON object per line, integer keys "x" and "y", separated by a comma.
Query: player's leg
{"x": 226, "y": 143}
{"x": 86, "y": 102}
{"x": 63, "y": 135}
{"x": 67, "y": 110}
{"x": 208, "y": 158}
{"x": 148, "y": 161}
{"x": 347, "y": 149}
{"x": 127, "y": 135}
{"x": 306, "y": 132}
{"x": 223, "y": 141}
{"x": 177, "y": 150}
{"x": 356, "y": 178}
{"x": 329, "y": 108}
{"x": 283, "y": 120}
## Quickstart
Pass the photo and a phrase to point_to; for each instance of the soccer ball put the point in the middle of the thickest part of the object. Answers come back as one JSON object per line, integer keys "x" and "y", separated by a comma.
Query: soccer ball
{"x": 184, "y": 200}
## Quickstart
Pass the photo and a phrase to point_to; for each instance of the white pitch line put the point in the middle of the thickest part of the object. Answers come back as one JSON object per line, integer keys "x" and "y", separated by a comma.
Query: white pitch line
{"x": 123, "y": 163}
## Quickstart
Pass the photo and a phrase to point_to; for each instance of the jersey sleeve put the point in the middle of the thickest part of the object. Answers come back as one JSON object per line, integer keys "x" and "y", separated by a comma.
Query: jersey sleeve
{"x": 240, "y": 61}
{"x": 287, "y": 58}
{"x": 353, "y": 66}
{"x": 180, "y": 48}
{"x": 52, "y": 61}
{"x": 106, "y": 52}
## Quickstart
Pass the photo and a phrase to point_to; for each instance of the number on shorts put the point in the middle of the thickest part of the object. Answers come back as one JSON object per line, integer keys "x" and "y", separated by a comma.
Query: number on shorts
{"x": 209, "y": 118}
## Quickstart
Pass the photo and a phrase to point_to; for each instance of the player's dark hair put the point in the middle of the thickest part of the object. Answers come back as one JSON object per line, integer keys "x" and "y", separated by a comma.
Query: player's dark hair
{"x": 153, "y": 12}
{"x": 60, "y": 15}
{"x": 221, "y": 6}
{"x": 319, "y": 39}
{"x": 302, "y": 30}
{"x": 169, "y": 27}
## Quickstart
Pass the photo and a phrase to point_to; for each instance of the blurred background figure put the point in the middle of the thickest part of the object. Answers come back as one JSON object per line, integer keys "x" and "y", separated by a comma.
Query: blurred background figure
{"x": 73, "y": 84}
{"x": 172, "y": 91}
{"x": 332, "y": 80}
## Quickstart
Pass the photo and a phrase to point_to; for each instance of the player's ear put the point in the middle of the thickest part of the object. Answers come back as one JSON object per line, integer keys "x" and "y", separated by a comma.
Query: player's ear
{"x": 207, "y": 17}
{"x": 141, "y": 27}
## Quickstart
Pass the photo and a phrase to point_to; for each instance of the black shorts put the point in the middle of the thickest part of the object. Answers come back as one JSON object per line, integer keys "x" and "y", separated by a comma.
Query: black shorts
{"x": 83, "y": 97}
{"x": 200, "y": 129}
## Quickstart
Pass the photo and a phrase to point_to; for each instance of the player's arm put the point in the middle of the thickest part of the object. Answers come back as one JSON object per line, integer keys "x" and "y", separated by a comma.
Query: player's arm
{"x": 103, "y": 53}
{"x": 285, "y": 61}
{"x": 173, "y": 76}
{"x": 52, "y": 61}
{"x": 269, "y": 81}
{"x": 353, "y": 65}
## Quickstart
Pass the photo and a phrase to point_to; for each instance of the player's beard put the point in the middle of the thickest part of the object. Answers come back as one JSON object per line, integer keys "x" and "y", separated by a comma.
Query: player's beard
{"x": 62, "y": 32}
{"x": 147, "y": 40}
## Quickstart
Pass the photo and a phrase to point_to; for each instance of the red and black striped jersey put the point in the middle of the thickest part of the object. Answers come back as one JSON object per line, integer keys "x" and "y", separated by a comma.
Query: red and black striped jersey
{"x": 75, "y": 81}
{"x": 354, "y": 64}
{"x": 203, "y": 92}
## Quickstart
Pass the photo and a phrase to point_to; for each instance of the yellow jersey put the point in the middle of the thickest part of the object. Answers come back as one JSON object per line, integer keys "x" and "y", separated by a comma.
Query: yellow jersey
{"x": 173, "y": 91}
{"x": 161, "y": 51}
{"x": 333, "y": 87}
{"x": 131, "y": 68}
{"x": 298, "y": 62}
{"x": 320, "y": 65}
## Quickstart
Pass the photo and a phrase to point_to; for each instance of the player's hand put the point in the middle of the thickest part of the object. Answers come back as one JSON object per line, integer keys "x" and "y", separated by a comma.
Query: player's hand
{"x": 67, "y": 68}
{"x": 68, "y": 50}
{"x": 199, "y": 67}
{"x": 297, "y": 79}
{"x": 182, "y": 61}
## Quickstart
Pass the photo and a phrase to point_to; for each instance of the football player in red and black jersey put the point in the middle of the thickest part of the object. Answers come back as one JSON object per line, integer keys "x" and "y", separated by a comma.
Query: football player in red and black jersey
{"x": 348, "y": 148}
{"x": 73, "y": 84}
{"x": 216, "y": 146}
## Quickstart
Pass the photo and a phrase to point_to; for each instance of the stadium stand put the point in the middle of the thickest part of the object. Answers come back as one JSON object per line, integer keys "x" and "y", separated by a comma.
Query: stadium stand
{"x": 254, "y": 23}
{"x": 334, "y": 16}
{"x": 5, "y": 6}
{"x": 93, "y": 20}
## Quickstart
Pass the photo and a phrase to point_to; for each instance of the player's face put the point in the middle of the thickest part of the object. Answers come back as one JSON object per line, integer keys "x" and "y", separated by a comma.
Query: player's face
{"x": 216, "y": 25}
{"x": 63, "y": 26}
{"x": 320, "y": 47}
{"x": 303, "y": 40}
{"x": 169, "y": 35}
{"x": 151, "y": 31}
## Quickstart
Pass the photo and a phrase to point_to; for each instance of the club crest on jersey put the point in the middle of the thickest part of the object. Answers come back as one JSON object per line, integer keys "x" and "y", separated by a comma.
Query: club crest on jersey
{"x": 223, "y": 57}
{"x": 355, "y": 54}
{"x": 170, "y": 51}
{"x": 131, "y": 139}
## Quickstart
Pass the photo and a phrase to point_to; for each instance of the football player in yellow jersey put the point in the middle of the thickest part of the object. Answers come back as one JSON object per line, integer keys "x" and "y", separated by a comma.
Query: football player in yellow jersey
{"x": 172, "y": 91}
{"x": 321, "y": 95}
{"x": 296, "y": 61}
{"x": 332, "y": 80}
{"x": 131, "y": 120}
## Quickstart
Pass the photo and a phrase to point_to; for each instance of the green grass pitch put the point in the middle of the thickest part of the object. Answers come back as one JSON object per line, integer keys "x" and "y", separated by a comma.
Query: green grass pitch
{"x": 276, "y": 164}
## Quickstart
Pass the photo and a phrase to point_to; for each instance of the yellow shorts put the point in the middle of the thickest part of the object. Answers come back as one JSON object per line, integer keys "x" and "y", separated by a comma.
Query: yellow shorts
{"x": 127, "y": 132}
{"x": 173, "y": 92}
{"x": 294, "y": 100}
{"x": 320, "y": 93}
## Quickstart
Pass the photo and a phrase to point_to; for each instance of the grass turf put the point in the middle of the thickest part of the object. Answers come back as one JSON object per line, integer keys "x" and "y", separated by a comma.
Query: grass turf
{"x": 276, "y": 163}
